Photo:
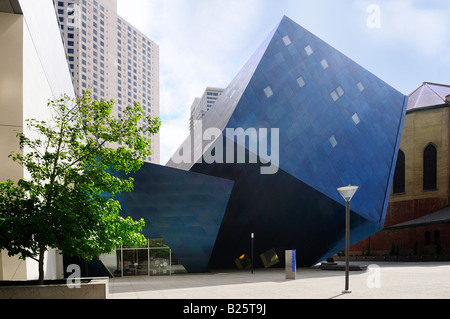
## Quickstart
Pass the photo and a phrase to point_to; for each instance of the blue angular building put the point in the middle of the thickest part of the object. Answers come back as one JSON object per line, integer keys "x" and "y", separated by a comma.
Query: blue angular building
{"x": 322, "y": 122}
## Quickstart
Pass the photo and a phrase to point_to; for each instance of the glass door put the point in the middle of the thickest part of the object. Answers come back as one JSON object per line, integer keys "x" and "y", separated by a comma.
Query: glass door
{"x": 135, "y": 262}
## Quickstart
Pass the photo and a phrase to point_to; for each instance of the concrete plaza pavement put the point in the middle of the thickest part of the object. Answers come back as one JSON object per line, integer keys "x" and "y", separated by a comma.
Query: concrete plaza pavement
{"x": 382, "y": 280}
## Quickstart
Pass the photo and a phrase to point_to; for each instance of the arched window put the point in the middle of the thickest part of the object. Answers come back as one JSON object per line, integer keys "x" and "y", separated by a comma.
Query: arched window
{"x": 430, "y": 168}
{"x": 399, "y": 175}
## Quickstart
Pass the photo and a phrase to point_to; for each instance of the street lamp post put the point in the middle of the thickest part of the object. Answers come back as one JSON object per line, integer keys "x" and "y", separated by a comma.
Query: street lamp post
{"x": 347, "y": 193}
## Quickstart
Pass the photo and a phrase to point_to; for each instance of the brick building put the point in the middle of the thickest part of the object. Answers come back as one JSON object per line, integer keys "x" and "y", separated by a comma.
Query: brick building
{"x": 418, "y": 216}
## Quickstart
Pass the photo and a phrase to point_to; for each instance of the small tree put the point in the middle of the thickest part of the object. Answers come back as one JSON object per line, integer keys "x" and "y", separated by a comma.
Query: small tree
{"x": 68, "y": 201}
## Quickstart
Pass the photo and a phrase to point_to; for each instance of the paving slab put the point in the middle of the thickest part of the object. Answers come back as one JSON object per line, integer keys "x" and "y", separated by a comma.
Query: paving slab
{"x": 382, "y": 280}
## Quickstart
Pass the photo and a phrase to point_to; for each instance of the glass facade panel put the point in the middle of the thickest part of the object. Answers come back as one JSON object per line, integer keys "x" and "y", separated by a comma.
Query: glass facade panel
{"x": 309, "y": 50}
{"x": 301, "y": 81}
{"x": 360, "y": 86}
{"x": 356, "y": 118}
{"x": 268, "y": 91}
{"x": 155, "y": 259}
{"x": 333, "y": 141}
{"x": 287, "y": 40}
{"x": 334, "y": 96}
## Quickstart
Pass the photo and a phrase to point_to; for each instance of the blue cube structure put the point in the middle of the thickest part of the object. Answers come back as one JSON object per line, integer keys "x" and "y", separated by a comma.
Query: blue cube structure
{"x": 184, "y": 208}
{"x": 321, "y": 122}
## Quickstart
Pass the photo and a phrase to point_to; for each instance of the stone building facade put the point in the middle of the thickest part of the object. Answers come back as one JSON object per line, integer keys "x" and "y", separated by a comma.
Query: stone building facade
{"x": 418, "y": 215}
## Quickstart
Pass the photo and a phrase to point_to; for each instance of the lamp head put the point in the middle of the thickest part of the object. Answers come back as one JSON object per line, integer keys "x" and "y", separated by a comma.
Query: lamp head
{"x": 348, "y": 192}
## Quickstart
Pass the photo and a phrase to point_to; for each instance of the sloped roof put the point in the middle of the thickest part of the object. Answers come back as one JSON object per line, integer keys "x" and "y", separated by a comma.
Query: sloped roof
{"x": 440, "y": 217}
{"x": 428, "y": 94}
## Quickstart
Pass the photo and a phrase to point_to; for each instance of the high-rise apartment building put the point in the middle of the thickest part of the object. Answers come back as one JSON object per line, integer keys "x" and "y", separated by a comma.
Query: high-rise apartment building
{"x": 202, "y": 105}
{"x": 110, "y": 57}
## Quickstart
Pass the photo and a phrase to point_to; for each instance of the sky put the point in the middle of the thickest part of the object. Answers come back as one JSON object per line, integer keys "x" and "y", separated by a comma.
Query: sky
{"x": 206, "y": 42}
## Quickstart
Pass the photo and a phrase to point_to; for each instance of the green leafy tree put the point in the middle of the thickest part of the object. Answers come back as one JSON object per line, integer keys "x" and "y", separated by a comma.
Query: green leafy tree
{"x": 73, "y": 162}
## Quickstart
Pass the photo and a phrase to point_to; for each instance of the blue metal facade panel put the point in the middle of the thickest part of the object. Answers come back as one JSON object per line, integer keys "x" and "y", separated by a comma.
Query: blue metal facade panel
{"x": 184, "y": 208}
{"x": 365, "y": 120}
{"x": 338, "y": 125}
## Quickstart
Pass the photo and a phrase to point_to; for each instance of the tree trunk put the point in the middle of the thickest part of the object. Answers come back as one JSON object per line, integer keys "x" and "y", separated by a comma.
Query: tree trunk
{"x": 41, "y": 263}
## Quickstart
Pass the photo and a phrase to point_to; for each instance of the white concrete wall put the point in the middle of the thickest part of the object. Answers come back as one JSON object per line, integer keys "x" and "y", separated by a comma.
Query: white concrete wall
{"x": 12, "y": 268}
{"x": 11, "y": 118}
{"x": 36, "y": 87}
{"x": 53, "y": 266}
{"x": 34, "y": 69}
{"x": 43, "y": 26}
{"x": 45, "y": 76}
{"x": 11, "y": 92}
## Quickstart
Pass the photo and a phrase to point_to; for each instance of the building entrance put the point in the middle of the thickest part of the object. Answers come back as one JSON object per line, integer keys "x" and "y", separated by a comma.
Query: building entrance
{"x": 156, "y": 259}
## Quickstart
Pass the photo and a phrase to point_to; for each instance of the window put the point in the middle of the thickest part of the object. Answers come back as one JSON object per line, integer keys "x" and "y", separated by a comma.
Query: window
{"x": 336, "y": 94}
{"x": 430, "y": 168}
{"x": 268, "y": 91}
{"x": 287, "y": 40}
{"x": 356, "y": 119}
{"x": 360, "y": 86}
{"x": 399, "y": 175}
{"x": 324, "y": 64}
{"x": 301, "y": 81}
{"x": 309, "y": 50}
{"x": 333, "y": 141}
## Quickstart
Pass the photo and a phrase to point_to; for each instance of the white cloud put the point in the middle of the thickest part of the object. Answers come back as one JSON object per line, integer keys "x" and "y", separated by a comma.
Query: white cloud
{"x": 424, "y": 29}
{"x": 199, "y": 41}
{"x": 173, "y": 133}
{"x": 206, "y": 42}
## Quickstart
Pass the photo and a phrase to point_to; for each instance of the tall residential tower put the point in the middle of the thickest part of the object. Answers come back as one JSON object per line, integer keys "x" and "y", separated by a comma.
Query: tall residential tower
{"x": 110, "y": 57}
{"x": 202, "y": 105}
